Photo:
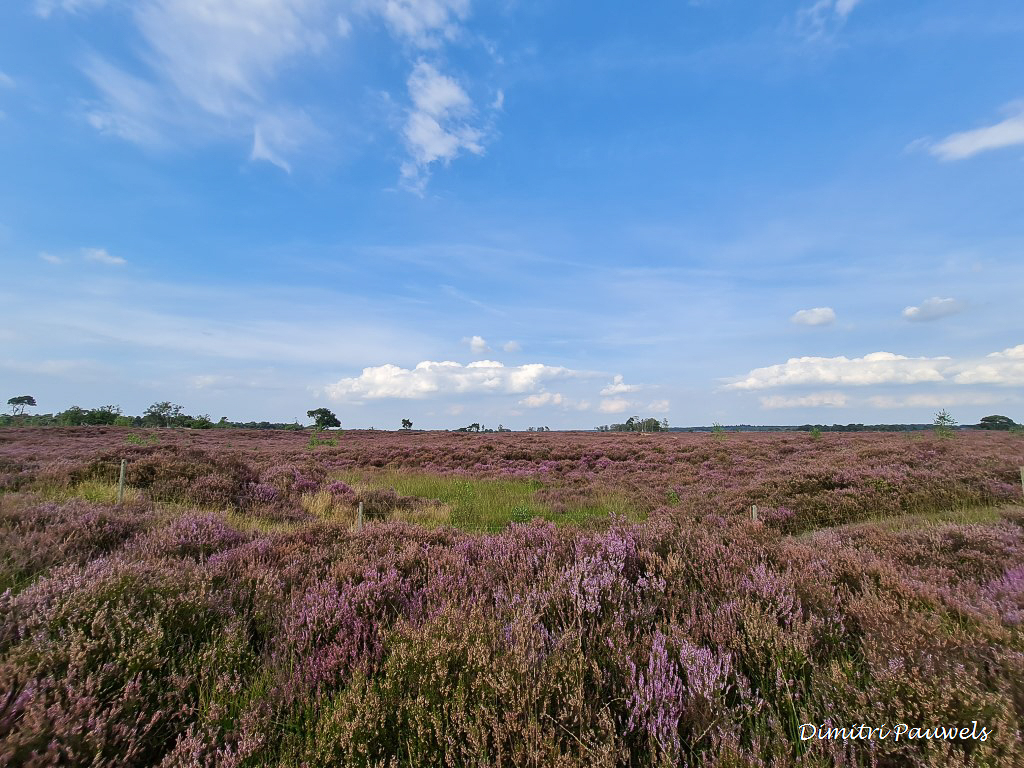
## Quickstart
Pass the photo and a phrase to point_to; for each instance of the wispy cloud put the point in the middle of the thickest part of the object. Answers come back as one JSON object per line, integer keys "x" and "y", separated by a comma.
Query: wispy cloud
{"x": 933, "y": 309}
{"x": 209, "y": 70}
{"x": 614, "y": 405}
{"x": 815, "y": 316}
{"x": 813, "y": 400}
{"x": 101, "y": 256}
{"x": 439, "y": 125}
{"x": 46, "y": 7}
{"x": 824, "y": 17}
{"x": 6, "y": 81}
{"x": 50, "y": 258}
{"x": 960, "y": 146}
{"x": 512, "y": 346}
{"x": 431, "y": 379}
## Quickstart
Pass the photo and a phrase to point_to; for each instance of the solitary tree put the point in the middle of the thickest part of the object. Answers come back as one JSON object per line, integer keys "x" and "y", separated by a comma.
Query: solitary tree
{"x": 323, "y": 418}
{"x": 18, "y": 404}
{"x": 997, "y": 422}
{"x": 406, "y": 424}
{"x": 944, "y": 423}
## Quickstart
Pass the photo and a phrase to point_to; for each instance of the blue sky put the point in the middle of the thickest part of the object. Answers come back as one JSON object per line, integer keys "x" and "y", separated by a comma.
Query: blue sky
{"x": 521, "y": 213}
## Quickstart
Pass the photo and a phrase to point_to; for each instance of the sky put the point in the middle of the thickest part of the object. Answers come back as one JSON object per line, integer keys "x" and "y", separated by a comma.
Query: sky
{"x": 517, "y": 213}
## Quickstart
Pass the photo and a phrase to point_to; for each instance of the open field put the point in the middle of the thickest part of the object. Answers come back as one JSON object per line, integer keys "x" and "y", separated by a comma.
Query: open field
{"x": 515, "y": 599}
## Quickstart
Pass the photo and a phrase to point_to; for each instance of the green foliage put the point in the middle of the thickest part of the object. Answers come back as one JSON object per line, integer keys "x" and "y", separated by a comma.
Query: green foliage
{"x": 406, "y": 424}
{"x": 163, "y": 414}
{"x": 944, "y": 423}
{"x": 323, "y": 418}
{"x": 997, "y": 422}
{"x": 315, "y": 440}
{"x": 816, "y": 433}
{"x": 19, "y": 403}
{"x": 718, "y": 430}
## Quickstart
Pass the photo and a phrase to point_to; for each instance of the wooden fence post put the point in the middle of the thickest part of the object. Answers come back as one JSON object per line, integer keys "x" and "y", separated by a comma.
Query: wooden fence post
{"x": 359, "y": 517}
{"x": 753, "y": 513}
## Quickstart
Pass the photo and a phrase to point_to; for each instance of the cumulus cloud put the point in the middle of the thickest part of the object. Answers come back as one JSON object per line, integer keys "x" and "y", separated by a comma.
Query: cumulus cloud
{"x": 815, "y": 316}
{"x": 1004, "y": 368}
{"x": 875, "y": 368}
{"x": 512, "y": 346}
{"x": 618, "y": 387}
{"x": 932, "y": 309}
{"x": 614, "y": 405}
{"x": 101, "y": 256}
{"x": 477, "y": 345}
{"x": 440, "y": 378}
{"x": 813, "y": 400}
{"x": 439, "y": 126}
{"x": 658, "y": 406}
{"x": 542, "y": 399}
{"x": 960, "y": 146}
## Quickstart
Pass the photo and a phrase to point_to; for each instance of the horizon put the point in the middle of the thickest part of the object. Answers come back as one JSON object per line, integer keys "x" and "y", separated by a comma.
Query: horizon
{"x": 794, "y": 213}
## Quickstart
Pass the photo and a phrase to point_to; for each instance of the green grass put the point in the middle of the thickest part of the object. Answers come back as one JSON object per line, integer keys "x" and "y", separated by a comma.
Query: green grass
{"x": 485, "y": 503}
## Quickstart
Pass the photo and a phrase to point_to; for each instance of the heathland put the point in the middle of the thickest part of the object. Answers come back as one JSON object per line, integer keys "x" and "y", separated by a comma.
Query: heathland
{"x": 511, "y": 600}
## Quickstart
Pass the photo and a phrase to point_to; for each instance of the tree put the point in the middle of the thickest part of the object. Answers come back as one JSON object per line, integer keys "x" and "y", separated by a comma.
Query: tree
{"x": 406, "y": 424}
{"x": 997, "y": 422}
{"x": 161, "y": 414}
{"x": 19, "y": 403}
{"x": 944, "y": 423}
{"x": 323, "y": 418}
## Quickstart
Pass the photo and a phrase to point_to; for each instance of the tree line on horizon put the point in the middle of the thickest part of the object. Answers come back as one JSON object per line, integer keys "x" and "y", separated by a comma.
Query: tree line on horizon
{"x": 168, "y": 414}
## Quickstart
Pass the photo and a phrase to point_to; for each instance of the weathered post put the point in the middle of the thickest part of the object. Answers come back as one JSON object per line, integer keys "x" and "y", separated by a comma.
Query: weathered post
{"x": 359, "y": 517}
{"x": 120, "y": 483}
{"x": 1022, "y": 480}
{"x": 753, "y": 513}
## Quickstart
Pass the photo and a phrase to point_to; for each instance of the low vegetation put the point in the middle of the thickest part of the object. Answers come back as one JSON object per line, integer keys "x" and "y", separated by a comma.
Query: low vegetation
{"x": 621, "y": 608}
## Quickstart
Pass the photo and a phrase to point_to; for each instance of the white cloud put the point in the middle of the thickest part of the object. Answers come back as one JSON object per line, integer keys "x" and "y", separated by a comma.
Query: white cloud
{"x": 1004, "y": 368}
{"x": 874, "y": 368}
{"x": 658, "y": 406}
{"x": 814, "y": 400}
{"x": 208, "y": 68}
{"x": 824, "y": 17}
{"x": 50, "y": 258}
{"x": 932, "y": 309}
{"x": 276, "y": 135}
{"x": 965, "y": 144}
{"x": 101, "y": 256}
{"x": 437, "y": 128}
{"x": 614, "y": 405}
{"x": 512, "y": 346}
{"x": 542, "y": 399}
{"x": 815, "y": 316}
{"x": 344, "y": 27}
{"x": 477, "y": 345}
{"x": 439, "y": 378}
{"x": 6, "y": 81}
{"x": 618, "y": 387}
{"x": 422, "y": 23}
{"x": 46, "y": 7}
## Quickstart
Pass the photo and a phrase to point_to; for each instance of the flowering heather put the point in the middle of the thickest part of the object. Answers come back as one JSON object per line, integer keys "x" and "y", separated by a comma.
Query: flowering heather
{"x": 177, "y": 633}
